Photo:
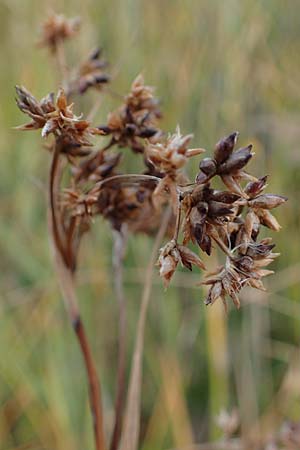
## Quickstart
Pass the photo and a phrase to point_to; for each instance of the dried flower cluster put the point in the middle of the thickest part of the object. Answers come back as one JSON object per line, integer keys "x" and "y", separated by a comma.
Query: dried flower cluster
{"x": 230, "y": 218}
{"x": 56, "y": 29}
{"x": 90, "y": 74}
{"x": 87, "y": 180}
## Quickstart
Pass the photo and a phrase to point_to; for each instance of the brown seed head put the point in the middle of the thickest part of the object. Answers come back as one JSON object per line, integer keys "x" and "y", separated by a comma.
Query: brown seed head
{"x": 57, "y": 28}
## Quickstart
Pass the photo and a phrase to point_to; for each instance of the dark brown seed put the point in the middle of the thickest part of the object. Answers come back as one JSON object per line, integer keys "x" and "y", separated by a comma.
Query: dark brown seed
{"x": 260, "y": 250}
{"x": 255, "y": 187}
{"x": 225, "y": 197}
{"x": 208, "y": 166}
{"x": 225, "y": 147}
{"x": 201, "y": 178}
{"x": 218, "y": 209}
{"x": 205, "y": 244}
{"x": 236, "y": 161}
{"x": 245, "y": 263}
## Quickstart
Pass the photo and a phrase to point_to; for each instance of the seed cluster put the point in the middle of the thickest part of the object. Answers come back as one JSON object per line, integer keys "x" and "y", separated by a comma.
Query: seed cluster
{"x": 230, "y": 218}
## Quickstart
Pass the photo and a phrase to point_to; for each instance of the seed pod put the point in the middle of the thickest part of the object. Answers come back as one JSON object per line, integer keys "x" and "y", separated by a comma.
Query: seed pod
{"x": 205, "y": 244}
{"x": 250, "y": 220}
{"x": 244, "y": 263}
{"x": 168, "y": 266}
{"x": 259, "y": 263}
{"x": 258, "y": 251}
{"x": 169, "y": 257}
{"x": 147, "y": 132}
{"x": 267, "y": 201}
{"x": 235, "y": 299}
{"x": 201, "y": 178}
{"x": 208, "y": 166}
{"x": 232, "y": 185}
{"x": 198, "y": 233}
{"x": 257, "y": 284}
{"x": 256, "y": 187}
{"x": 105, "y": 129}
{"x": 218, "y": 209}
{"x": 225, "y": 197}
{"x": 198, "y": 214}
{"x": 225, "y": 147}
{"x": 194, "y": 152}
{"x": 202, "y": 210}
{"x": 214, "y": 293}
{"x": 189, "y": 258}
{"x": 268, "y": 220}
{"x": 242, "y": 241}
{"x": 236, "y": 160}
{"x": 264, "y": 273}
{"x": 197, "y": 195}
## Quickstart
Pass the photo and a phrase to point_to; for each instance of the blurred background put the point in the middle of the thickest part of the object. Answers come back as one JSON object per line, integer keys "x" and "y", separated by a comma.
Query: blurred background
{"x": 218, "y": 67}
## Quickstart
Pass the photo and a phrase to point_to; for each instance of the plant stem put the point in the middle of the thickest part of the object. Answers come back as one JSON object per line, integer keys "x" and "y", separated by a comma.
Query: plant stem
{"x": 66, "y": 281}
{"x": 130, "y": 435}
{"x": 61, "y": 62}
{"x": 53, "y": 189}
{"x": 178, "y": 220}
{"x": 221, "y": 245}
{"x": 120, "y": 239}
{"x": 94, "y": 387}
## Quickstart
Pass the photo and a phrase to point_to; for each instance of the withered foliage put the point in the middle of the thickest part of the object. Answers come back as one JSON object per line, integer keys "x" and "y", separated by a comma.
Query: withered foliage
{"x": 230, "y": 218}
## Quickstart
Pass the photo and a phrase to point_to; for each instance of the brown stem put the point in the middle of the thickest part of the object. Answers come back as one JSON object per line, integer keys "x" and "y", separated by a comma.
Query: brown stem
{"x": 53, "y": 188}
{"x": 94, "y": 387}
{"x": 66, "y": 281}
{"x": 178, "y": 220}
{"x": 119, "y": 250}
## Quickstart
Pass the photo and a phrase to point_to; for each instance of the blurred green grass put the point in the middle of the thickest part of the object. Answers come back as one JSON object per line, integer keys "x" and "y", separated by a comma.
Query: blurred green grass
{"x": 218, "y": 66}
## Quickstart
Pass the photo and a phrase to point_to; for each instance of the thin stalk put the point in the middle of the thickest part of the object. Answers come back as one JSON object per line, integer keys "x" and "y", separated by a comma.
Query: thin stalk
{"x": 55, "y": 170}
{"x": 120, "y": 239}
{"x": 178, "y": 220}
{"x": 67, "y": 286}
{"x": 61, "y": 62}
{"x": 130, "y": 435}
{"x": 221, "y": 245}
{"x": 94, "y": 386}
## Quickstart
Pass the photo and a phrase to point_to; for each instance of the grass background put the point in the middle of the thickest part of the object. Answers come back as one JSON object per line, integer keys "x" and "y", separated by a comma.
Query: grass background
{"x": 218, "y": 66}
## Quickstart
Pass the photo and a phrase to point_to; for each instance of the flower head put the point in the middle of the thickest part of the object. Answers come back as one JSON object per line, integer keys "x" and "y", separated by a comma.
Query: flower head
{"x": 55, "y": 116}
{"x": 57, "y": 28}
{"x": 136, "y": 119}
{"x": 173, "y": 253}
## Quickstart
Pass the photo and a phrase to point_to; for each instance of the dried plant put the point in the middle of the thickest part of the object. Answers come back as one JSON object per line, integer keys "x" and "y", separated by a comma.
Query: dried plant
{"x": 161, "y": 200}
